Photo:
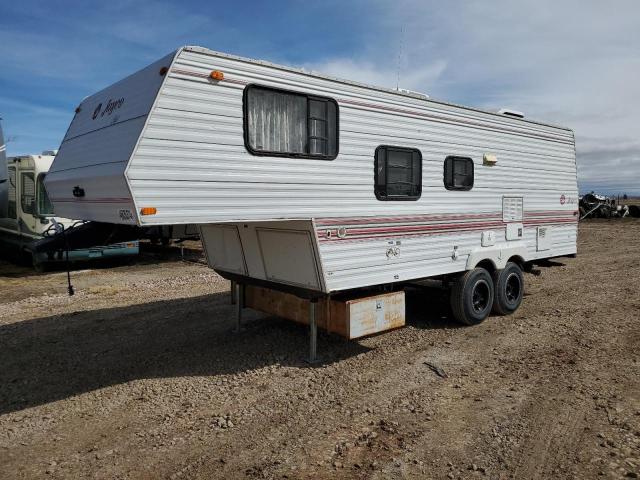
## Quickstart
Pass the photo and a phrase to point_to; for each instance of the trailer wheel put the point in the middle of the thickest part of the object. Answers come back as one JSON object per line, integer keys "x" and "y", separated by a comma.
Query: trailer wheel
{"x": 509, "y": 289}
{"x": 472, "y": 296}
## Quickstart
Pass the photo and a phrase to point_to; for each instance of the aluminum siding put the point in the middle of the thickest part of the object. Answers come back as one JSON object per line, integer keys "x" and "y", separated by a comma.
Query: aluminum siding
{"x": 192, "y": 165}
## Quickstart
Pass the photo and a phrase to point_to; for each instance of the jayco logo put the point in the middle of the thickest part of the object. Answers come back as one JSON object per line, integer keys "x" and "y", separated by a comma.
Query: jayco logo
{"x": 108, "y": 110}
{"x": 97, "y": 111}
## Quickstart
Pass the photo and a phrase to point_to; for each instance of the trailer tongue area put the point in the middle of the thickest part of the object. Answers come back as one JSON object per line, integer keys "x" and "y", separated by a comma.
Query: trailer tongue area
{"x": 86, "y": 235}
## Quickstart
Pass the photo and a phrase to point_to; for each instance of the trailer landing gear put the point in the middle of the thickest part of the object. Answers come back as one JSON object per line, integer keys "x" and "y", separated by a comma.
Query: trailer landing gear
{"x": 313, "y": 332}
{"x": 238, "y": 297}
{"x": 239, "y": 301}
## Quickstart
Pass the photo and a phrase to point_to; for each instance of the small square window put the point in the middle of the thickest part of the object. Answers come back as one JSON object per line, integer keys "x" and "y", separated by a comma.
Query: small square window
{"x": 458, "y": 173}
{"x": 398, "y": 173}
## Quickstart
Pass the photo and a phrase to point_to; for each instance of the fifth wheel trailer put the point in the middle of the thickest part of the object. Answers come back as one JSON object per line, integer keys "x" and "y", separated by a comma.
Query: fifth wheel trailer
{"x": 315, "y": 185}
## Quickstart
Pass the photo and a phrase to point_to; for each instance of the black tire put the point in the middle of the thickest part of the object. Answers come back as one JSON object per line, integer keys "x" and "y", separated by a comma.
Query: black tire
{"x": 508, "y": 289}
{"x": 472, "y": 296}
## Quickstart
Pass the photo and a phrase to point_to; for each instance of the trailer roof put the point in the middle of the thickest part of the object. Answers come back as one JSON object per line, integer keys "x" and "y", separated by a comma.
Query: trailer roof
{"x": 417, "y": 96}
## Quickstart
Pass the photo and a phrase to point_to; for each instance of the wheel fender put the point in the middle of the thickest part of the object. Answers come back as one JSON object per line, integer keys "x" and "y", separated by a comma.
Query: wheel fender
{"x": 497, "y": 254}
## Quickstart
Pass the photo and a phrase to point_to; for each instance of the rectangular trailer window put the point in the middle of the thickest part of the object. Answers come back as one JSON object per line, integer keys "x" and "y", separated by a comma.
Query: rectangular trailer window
{"x": 283, "y": 123}
{"x": 398, "y": 173}
{"x": 45, "y": 207}
{"x": 12, "y": 194}
{"x": 27, "y": 192}
{"x": 458, "y": 173}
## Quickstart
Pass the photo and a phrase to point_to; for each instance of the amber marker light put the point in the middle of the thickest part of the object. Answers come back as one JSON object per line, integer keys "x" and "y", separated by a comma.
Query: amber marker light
{"x": 216, "y": 75}
{"x": 148, "y": 211}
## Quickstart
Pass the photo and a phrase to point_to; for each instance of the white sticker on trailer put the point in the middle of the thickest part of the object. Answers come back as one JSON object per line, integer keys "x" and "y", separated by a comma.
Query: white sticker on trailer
{"x": 125, "y": 215}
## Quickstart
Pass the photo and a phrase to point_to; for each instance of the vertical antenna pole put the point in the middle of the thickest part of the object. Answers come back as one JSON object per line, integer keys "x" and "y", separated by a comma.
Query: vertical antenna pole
{"x": 399, "y": 57}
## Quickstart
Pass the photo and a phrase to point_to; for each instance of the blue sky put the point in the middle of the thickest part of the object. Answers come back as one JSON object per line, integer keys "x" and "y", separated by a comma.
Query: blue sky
{"x": 572, "y": 63}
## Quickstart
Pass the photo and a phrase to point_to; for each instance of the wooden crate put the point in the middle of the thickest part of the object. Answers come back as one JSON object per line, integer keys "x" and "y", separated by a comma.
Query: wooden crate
{"x": 348, "y": 317}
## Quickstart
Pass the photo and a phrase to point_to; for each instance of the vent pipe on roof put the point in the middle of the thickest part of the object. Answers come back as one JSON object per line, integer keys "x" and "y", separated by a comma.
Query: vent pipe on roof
{"x": 413, "y": 93}
{"x": 511, "y": 113}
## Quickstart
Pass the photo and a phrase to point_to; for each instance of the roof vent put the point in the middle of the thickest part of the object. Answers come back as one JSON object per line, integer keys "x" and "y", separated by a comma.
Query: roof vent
{"x": 511, "y": 113}
{"x": 413, "y": 93}
{"x": 51, "y": 153}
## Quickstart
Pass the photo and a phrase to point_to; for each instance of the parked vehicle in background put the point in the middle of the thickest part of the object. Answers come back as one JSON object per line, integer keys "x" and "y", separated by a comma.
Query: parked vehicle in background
{"x": 593, "y": 205}
{"x": 4, "y": 179}
{"x": 30, "y": 216}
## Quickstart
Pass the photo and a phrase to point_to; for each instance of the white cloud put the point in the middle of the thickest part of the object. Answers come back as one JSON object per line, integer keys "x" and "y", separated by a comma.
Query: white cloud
{"x": 570, "y": 63}
{"x": 381, "y": 75}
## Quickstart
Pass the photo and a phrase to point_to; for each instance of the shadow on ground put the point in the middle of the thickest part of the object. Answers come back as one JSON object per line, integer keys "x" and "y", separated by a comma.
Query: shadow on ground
{"x": 56, "y": 357}
{"x": 13, "y": 265}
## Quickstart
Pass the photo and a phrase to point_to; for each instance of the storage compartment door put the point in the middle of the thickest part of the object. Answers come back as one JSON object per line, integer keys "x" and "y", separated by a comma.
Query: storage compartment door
{"x": 288, "y": 257}
{"x": 224, "y": 248}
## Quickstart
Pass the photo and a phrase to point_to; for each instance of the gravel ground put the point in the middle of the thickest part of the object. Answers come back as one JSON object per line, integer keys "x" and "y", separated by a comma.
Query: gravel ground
{"x": 139, "y": 375}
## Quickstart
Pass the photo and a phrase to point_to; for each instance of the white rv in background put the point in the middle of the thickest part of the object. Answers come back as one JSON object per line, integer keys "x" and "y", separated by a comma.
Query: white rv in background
{"x": 4, "y": 176}
{"x": 318, "y": 185}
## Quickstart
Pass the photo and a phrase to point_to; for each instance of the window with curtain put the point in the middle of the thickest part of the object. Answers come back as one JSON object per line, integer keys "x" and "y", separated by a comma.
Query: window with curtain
{"x": 283, "y": 123}
{"x": 45, "y": 207}
{"x": 398, "y": 173}
{"x": 458, "y": 173}
{"x": 27, "y": 192}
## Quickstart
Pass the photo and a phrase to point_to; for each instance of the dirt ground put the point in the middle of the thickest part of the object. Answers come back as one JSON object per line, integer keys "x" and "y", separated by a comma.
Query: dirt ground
{"x": 139, "y": 375}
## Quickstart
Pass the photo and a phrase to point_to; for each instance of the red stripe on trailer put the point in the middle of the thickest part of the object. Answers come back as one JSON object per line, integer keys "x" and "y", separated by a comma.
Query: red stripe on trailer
{"x": 435, "y": 229}
{"x": 410, "y": 228}
{"x": 438, "y": 118}
{"x": 433, "y": 217}
{"x": 425, "y": 230}
{"x": 407, "y": 218}
{"x": 551, "y": 221}
{"x": 95, "y": 200}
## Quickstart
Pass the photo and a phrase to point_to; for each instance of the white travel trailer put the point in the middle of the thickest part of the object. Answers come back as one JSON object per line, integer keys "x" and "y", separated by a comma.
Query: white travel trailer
{"x": 318, "y": 185}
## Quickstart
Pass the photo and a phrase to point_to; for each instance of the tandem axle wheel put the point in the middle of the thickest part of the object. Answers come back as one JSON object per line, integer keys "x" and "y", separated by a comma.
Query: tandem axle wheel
{"x": 476, "y": 293}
